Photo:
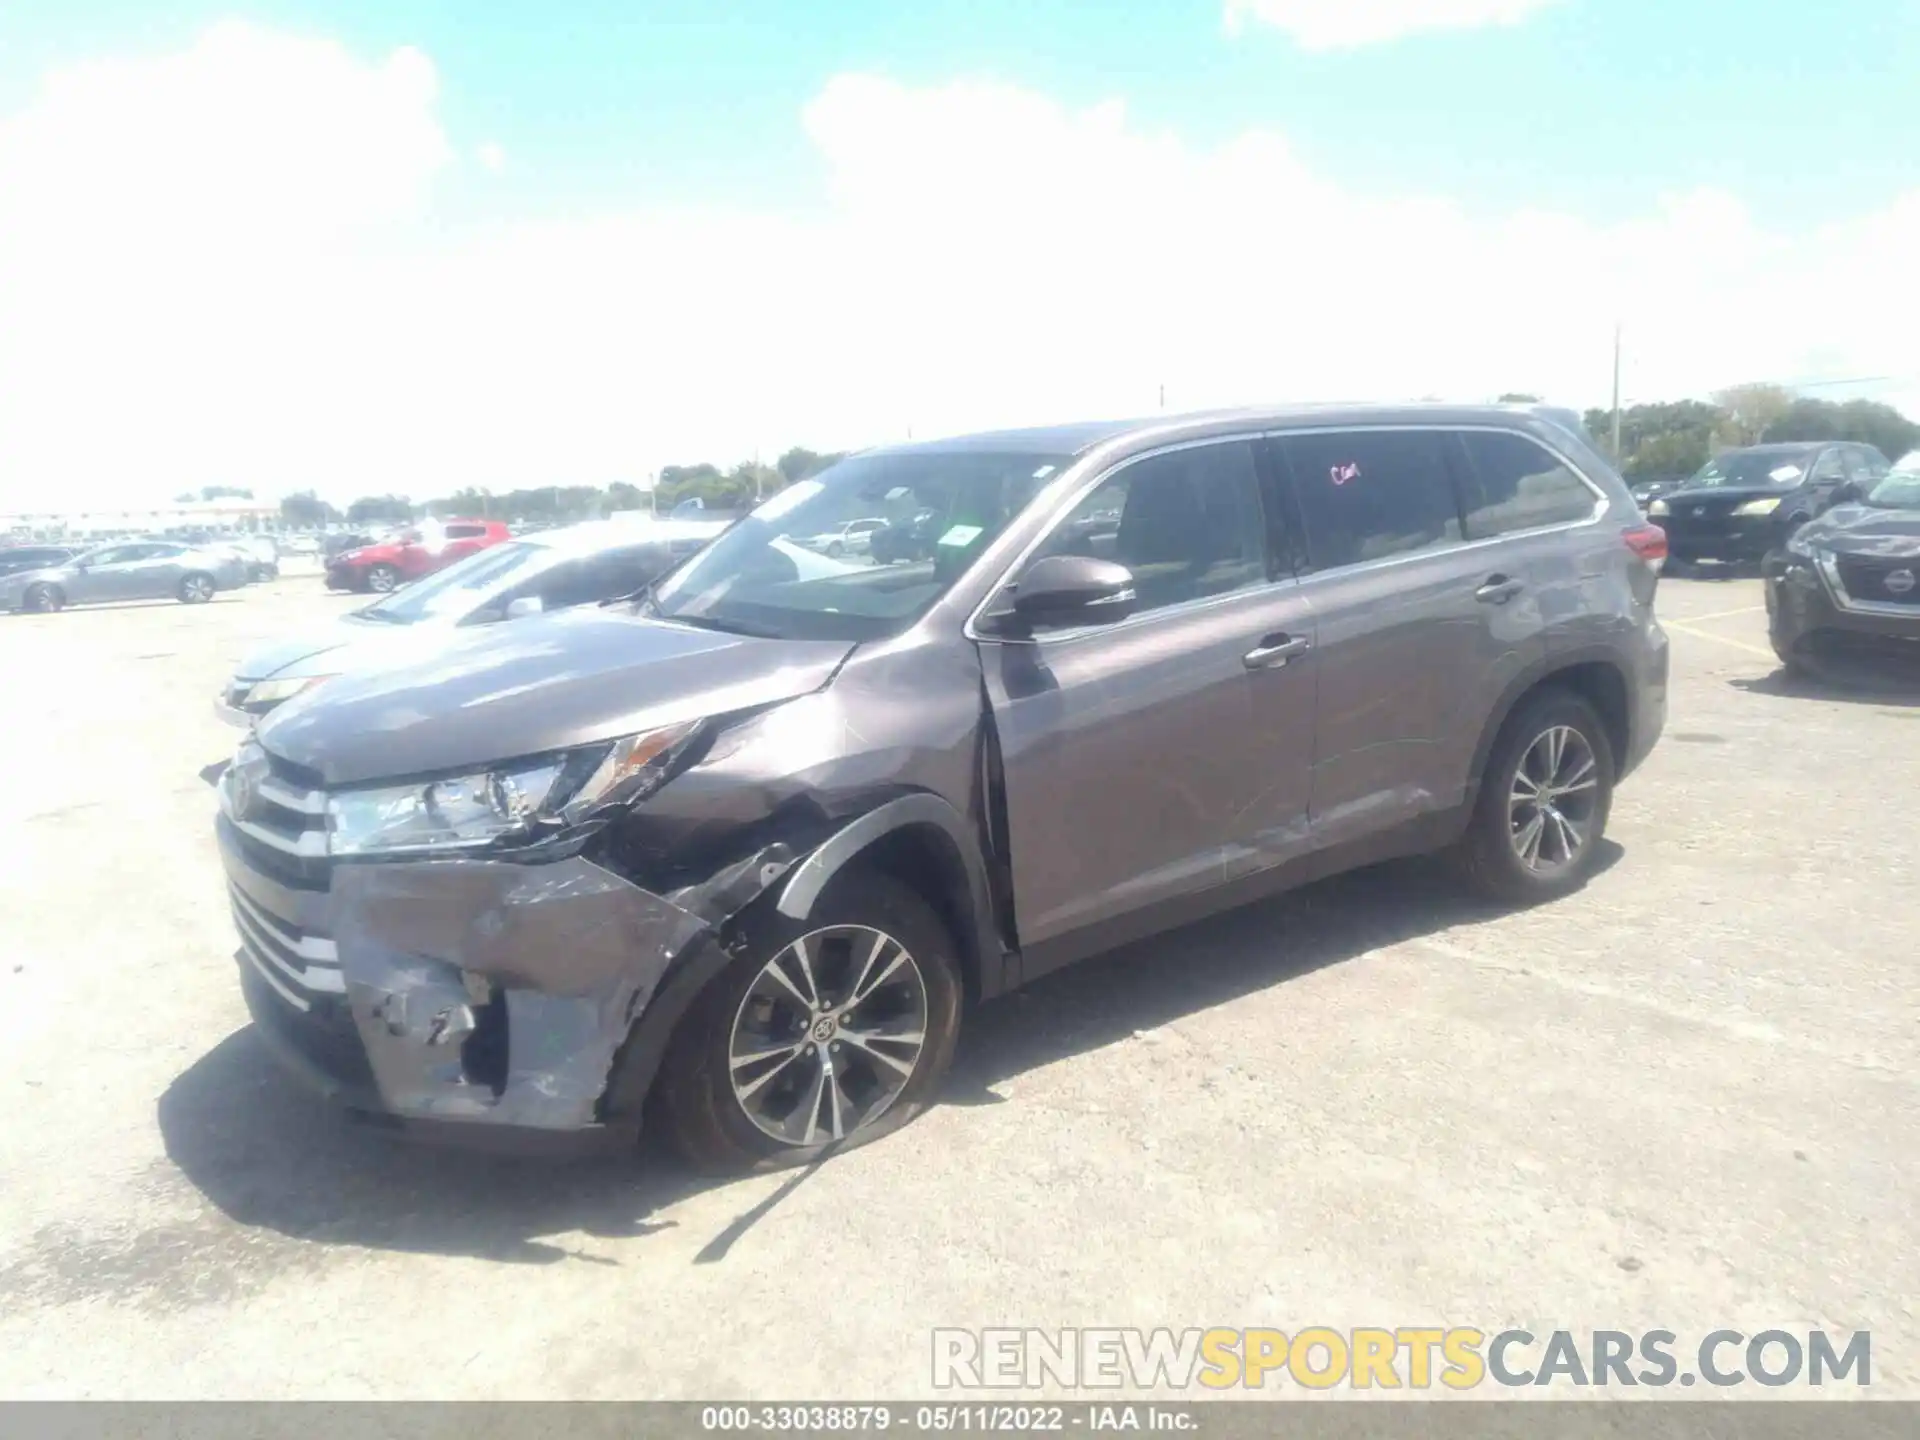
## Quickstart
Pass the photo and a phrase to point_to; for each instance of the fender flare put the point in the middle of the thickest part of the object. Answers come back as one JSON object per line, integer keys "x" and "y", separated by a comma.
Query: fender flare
{"x": 807, "y": 879}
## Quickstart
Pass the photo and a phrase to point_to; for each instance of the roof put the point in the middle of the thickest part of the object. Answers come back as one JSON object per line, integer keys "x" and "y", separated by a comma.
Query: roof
{"x": 1078, "y": 438}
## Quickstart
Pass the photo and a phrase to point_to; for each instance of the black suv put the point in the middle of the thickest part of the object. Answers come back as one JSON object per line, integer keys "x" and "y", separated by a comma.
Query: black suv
{"x": 1744, "y": 503}
{"x": 745, "y": 848}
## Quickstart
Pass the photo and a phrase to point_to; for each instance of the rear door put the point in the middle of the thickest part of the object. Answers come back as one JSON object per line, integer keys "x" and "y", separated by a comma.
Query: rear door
{"x": 1136, "y": 767}
{"x": 1417, "y": 626}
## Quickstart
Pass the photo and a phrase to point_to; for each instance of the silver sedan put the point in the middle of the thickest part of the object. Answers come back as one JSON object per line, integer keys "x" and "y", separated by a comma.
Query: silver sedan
{"x": 139, "y": 570}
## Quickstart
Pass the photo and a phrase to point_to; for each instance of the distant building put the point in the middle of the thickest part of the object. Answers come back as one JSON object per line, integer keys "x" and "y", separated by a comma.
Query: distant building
{"x": 155, "y": 519}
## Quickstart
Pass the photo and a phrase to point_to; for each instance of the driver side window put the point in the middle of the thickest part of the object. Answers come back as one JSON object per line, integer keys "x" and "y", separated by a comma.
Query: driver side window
{"x": 1187, "y": 523}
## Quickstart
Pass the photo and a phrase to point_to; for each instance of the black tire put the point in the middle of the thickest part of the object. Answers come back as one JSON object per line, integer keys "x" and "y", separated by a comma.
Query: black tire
{"x": 382, "y": 579}
{"x": 835, "y": 549}
{"x": 44, "y": 599}
{"x": 196, "y": 588}
{"x": 694, "y": 1095}
{"x": 1490, "y": 852}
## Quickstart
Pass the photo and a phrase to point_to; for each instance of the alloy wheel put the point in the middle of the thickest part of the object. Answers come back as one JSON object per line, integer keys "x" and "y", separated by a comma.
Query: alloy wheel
{"x": 381, "y": 579}
{"x": 827, "y": 1035}
{"x": 199, "y": 588}
{"x": 1551, "y": 806}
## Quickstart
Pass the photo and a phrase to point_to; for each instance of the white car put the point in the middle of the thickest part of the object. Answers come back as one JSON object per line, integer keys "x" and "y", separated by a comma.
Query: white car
{"x": 556, "y": 569}
{"x": 853, "y": 538}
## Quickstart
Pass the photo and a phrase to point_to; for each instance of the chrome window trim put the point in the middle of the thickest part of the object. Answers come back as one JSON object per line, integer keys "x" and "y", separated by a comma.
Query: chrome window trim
{"x": 1099, "y": 475}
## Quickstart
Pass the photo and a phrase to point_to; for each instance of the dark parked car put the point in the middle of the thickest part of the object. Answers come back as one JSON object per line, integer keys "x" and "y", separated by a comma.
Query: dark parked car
{"x": 1848, "y": 584}
{"x": 409, "y": 554}
{"x": 747, "y": 847}
{"x": 1745, "y": 502}
{"x": 140, "y": 570}
{"x": 17, "y": 558}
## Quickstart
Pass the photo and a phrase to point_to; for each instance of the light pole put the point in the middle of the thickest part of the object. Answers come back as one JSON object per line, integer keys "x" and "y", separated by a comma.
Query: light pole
{"x": 1616, "y": 392}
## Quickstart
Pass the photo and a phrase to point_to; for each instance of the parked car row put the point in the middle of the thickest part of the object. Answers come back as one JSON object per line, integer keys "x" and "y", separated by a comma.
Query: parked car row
{"x": 1744, "y": 503}
{"x": 51, "y": 578}
{"x": 408, "y": 554}
{"x": 737, "y": 850}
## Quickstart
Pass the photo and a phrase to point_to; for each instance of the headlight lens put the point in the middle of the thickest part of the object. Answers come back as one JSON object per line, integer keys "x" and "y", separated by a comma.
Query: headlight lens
{"x": 273, "y": 692}
{"x": 1758, "y": 507}
{"x": 510, "y": 801}
{"x": 1657, "y": 509}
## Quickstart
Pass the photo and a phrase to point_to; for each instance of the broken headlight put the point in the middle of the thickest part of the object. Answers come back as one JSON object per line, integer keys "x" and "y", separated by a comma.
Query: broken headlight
{"x": 510, "y": 801}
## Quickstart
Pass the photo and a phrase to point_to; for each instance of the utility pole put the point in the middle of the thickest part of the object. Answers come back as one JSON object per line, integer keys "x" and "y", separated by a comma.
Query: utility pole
{"x": 1163, "y": 394}
{"x": 1616, "y": 392}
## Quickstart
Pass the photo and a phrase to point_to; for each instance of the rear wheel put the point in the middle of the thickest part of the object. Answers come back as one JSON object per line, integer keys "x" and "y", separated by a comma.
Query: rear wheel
{"x": 382, "y": 578}
{"x": 197, "y": 588}
{"x": 44, "y": 599}
{"x": 1543, "y": 802}
{"x": 821, "y": 1035}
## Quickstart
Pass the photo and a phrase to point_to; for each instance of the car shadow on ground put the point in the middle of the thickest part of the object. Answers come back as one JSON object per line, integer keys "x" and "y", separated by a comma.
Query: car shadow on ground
{"x": 269, "y": 1156}
{"x": 1851, "y": 685}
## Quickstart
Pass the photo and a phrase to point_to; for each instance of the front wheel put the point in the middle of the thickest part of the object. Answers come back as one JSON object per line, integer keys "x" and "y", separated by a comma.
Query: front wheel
{"x": 1543, "y": 802}
{"x": 820, "y": 1036}
{"x": 197, "y": 588}
{"x": 382, "y": 579}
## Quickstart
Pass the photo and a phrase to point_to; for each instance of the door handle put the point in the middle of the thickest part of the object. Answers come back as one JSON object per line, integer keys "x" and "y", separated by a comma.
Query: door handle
{"x": 1274, "y": 652}
{"x": 1498, "y": 590}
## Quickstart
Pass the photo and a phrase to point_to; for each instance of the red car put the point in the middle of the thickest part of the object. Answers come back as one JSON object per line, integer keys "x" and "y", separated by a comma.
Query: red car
{"x": 408, "y": 554}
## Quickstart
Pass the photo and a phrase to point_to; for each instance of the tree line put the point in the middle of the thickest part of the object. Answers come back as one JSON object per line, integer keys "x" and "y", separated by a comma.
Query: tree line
{"x": 1663, "y": 440}
{"x": 736, "y": 488}
{"x": 1675, "y": 438}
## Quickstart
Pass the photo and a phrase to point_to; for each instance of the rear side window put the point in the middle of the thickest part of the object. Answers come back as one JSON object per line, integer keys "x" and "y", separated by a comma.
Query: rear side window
{"x": 600, "y": 577}
{"x": 1370, "y": 494}
{"x": 465, "y": 532}
{"x": 1510, "y": 483}
{"x": 1864, "y": 464}
{"x": 1830, "y": 466}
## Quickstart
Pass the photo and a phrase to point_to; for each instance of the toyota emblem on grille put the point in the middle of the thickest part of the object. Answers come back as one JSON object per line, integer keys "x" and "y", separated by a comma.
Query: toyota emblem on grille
{"x": 1899, "y": 582}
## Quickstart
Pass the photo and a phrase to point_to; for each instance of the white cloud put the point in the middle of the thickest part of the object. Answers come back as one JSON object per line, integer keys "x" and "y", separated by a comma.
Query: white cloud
{"x": 491, "y": 156}
{"x": 1340, "y": 24}
{"x": 226, "y": 266}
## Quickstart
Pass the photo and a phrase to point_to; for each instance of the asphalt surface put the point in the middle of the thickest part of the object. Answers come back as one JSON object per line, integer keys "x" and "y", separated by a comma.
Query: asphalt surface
{"x": 1682, "y": 1099}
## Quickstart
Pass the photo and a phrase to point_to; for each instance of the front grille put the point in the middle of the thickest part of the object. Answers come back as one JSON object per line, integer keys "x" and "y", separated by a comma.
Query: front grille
{"x": 1865, "y": 578}
{"x": 275, "y": 814}
{"x": 298, "y": 963}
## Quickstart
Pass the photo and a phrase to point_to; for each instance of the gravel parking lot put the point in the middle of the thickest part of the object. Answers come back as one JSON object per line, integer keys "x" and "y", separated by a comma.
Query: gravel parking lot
{"x": 1685, "y": 1098}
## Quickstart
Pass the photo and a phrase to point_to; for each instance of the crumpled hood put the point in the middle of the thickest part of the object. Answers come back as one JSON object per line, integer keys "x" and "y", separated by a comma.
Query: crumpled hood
{"x": 1865, "y": 530}
{"x": 534, "y": 686}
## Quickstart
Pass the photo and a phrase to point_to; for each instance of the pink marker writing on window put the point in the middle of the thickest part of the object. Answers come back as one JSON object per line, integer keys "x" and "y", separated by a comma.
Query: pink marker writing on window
{"x": 1343, "y": 473}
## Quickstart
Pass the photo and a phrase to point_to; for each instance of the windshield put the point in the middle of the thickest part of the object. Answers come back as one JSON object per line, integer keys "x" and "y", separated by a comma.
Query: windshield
{"x": 1901, "y": 489}
{"x": 463, "y": 586}
{"x": 1758, "y": 469}
{"x": 805, "y": 566}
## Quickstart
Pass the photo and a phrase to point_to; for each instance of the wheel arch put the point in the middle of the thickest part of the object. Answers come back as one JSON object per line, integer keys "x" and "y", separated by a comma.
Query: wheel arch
{"x": 1597, "y": 676}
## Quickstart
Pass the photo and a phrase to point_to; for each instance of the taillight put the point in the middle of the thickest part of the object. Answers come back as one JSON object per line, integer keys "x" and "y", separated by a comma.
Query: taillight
{"x": 1649, "y": 542}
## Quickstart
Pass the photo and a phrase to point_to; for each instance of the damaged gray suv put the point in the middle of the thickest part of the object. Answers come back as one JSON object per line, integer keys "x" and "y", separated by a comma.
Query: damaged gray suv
{"x": 738, "y": 854}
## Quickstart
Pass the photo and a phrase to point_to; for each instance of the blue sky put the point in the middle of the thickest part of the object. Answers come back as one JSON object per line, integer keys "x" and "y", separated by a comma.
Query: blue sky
{"x": 1590, "y": 106}
{"x": 420, "y": 244}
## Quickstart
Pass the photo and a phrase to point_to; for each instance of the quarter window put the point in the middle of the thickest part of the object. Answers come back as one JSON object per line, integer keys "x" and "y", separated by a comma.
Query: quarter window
{"x": 1370, "y": 494}
{"x": 1829, "y": 467}
{"x": 1510, "y": 483}
{"x": 1186, "y": 523}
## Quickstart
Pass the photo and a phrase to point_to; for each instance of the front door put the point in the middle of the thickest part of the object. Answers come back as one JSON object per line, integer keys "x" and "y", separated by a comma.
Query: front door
{"x": 1137, "y": 769}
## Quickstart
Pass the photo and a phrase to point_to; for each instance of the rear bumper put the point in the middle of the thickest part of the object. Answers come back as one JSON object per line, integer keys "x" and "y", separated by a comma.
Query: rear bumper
{"x": 470, "y": 1002}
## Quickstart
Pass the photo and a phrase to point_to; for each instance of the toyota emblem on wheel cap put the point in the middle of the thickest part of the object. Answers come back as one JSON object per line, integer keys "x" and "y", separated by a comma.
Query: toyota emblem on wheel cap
{"x": 1899, "y": 582}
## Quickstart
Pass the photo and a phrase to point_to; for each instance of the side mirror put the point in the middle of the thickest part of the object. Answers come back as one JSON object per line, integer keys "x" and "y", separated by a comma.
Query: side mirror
{"x": 1847, "y": 492}
{"x": 1063, "y": 590}
{"x": 525, "y": 605}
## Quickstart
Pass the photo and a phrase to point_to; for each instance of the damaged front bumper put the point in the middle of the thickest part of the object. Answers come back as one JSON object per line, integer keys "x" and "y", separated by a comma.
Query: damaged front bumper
{"x": 522, "y": 1006}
